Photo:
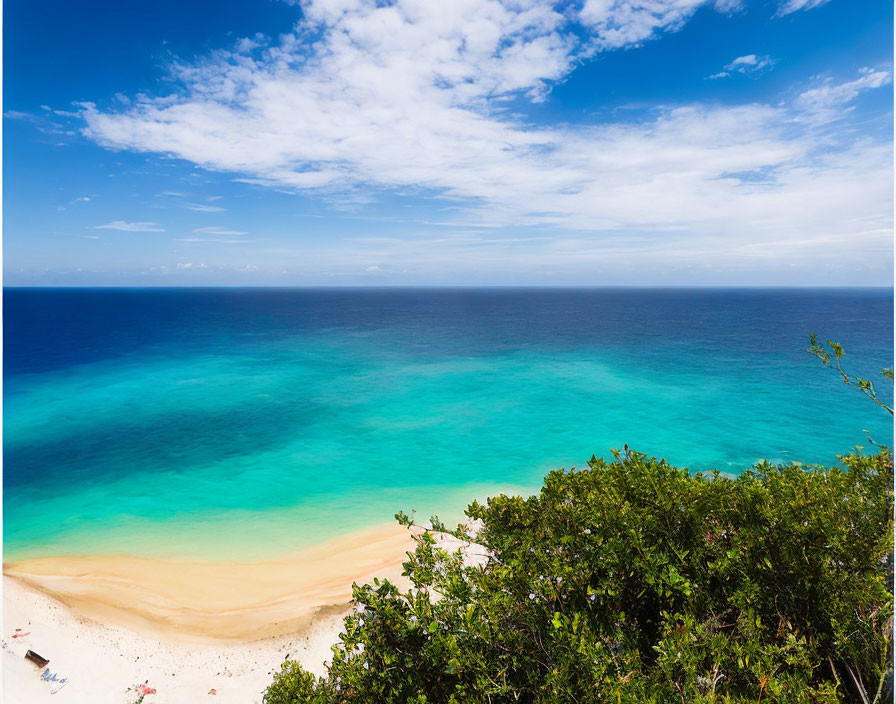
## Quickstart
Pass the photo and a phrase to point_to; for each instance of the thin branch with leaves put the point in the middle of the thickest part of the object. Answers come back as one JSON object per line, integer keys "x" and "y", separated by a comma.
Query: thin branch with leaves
{"x": 837, "y": 353}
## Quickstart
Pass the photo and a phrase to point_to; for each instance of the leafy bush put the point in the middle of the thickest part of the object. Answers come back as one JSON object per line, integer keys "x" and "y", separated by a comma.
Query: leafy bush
{"x": 291, "y": 684}
{"x": 633, "y": 581}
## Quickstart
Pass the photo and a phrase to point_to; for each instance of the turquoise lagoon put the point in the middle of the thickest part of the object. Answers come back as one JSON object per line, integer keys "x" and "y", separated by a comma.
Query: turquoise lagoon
{"x": 242, "y": 424}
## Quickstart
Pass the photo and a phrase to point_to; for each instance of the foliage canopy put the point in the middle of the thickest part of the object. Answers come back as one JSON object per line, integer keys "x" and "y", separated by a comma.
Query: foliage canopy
{"x": 633, "y": 581}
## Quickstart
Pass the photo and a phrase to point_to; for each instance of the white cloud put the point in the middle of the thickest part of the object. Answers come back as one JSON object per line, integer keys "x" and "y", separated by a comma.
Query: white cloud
{"x": 744, "y": 62}
{"x": 407, "y": 97}
{"x": 746, "y": 65}
{"x": 218, "y": 231}
{"x": 199, "y": 207}
{"x": 212, "y": 239}
{"x": 830, "y": 100}
{"x": 124, "y": 226}
{"x": 620, "y": 23}
{"x": 789, "y": 6}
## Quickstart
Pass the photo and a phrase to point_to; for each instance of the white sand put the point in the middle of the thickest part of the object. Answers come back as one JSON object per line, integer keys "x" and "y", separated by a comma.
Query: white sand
{"x": 108, "y": 624}
{"x": 102, "y": 661}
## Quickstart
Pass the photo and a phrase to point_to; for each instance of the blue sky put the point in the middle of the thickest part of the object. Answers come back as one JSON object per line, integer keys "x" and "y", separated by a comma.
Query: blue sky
{"x": 477, "y": 142}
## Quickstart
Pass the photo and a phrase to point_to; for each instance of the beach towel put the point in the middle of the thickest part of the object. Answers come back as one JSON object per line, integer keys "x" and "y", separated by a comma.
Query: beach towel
{"x": 56, "y": 682}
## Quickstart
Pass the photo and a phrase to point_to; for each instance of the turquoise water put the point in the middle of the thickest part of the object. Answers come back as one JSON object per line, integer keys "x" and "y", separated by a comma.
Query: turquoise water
{"x": 241, "y": 425}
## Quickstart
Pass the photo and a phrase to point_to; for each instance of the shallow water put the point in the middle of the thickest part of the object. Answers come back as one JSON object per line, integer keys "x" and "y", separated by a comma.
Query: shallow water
{"x": 242, "y": 423}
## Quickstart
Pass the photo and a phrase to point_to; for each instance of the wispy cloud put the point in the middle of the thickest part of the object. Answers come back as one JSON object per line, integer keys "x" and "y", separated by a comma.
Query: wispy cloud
{"x": 750, "y": 64}
{"x": 789, "y": 6}
{"x": 211, "y": 239}
{"x": 830, "y": 100}
{"x": 75, "y": 201}
{"x": 124, "y": 226}
{"x": 620, "y": 23}
{"x": 218, "y": 231}
{"x": 387, "y": 97}
{"x": 202, "y": 208}
{"x": 44, "y": 122}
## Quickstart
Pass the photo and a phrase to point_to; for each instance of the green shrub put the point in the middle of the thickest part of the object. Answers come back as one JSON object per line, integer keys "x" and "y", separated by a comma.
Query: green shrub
{"x": 631, "y": 582}
{"x": 291, "y": 684}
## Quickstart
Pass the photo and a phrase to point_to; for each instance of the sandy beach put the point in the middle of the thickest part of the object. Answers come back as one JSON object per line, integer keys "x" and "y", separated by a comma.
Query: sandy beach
{"x": 107, "y": 623}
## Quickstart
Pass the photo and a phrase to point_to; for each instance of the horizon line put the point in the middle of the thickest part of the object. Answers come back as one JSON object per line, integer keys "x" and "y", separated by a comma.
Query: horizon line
{"x": 449, "y": 286}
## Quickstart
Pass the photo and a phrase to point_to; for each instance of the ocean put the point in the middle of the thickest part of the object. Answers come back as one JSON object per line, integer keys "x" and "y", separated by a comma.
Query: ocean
{"x": 240, "y": 424}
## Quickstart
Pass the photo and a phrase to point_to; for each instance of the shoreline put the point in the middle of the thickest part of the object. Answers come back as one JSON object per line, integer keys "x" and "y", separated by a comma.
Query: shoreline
{"x": 235, "y": 602}
{"x": 110, "y": 622}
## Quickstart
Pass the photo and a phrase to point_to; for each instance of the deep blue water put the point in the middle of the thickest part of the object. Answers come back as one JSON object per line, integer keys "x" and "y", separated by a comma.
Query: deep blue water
{"x": 246, "y": 422}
